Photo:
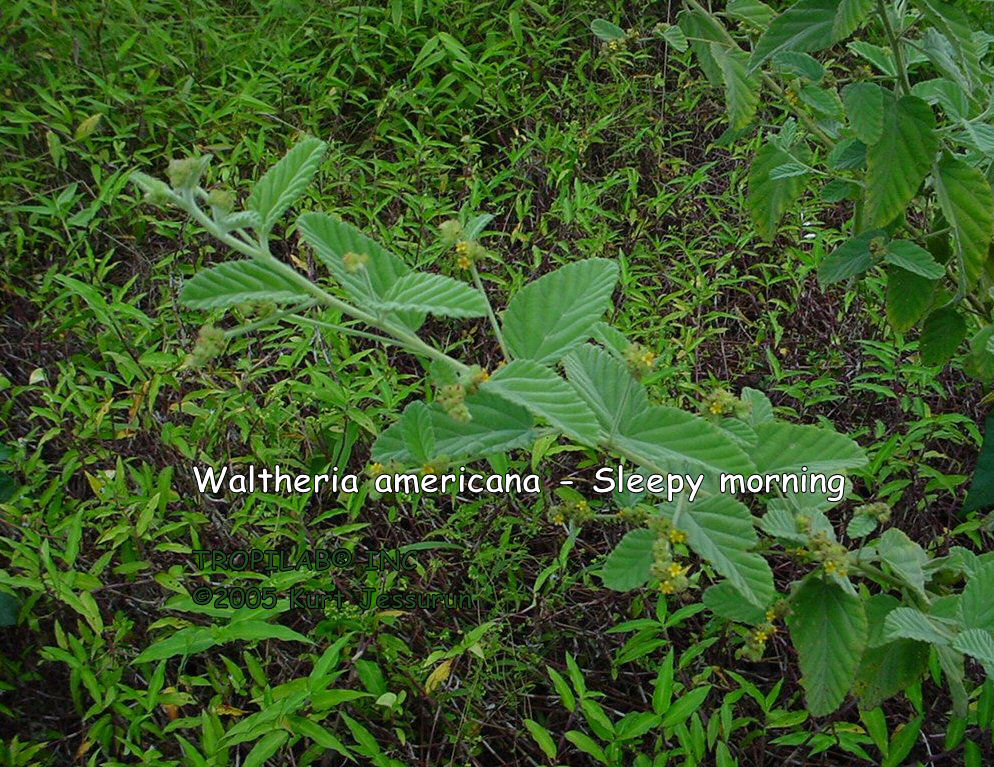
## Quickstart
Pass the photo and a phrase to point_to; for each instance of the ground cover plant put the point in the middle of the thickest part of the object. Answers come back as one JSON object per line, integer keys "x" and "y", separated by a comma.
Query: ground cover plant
{"x": 425, "y": 236}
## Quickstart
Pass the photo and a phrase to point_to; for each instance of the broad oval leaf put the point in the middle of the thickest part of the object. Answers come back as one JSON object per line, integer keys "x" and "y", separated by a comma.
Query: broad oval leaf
{"x": 545, "y": 394}
{"x": 913, "y": 258}
{"x": 282, "y": 184}
{"x": 741, "y": 87}
{"x": 558, "y": 311}
{"x": 864, "y": 104}
{"x": 810, "y": 25}
{"x": 942, "y": 333}
{"x": 900, "y": 160}
{"x": 766, "y": 197}
{"x": 968, "y": 204}
{"x": 237, "y": 282}
{"x": 435, "y": 294}
{"x": 606, "y": 30}
{"x": 908, "y": 298}
{"x": 627, "y": 566}
{"x": 791, "y": 448}
{"x": 720, "y": 530}
{"x": 828, "y": 627}
{"x": 607, "y": 386}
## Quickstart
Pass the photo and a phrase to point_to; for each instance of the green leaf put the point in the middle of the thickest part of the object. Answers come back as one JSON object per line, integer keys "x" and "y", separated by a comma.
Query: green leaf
{"x": 542, "y": 737}
{"x": 968, "y": 204}
{"x": 829, "y": 629}
{"x": 768, "y": 198}
{"x": 849, "y": 259}
{"x": 824, "y": 101}
{"x": 787, "y": 448}
{"x": 495, "y": 425}
{"x": 725, "y": 601}
{"x": 905, "y": 558}
{"x": 864, "y": 104}
{"x": 810, "y": 25}
{"x": 861, "y": 525}
{"x": 976, "y": 605}
{"x": 699, "y": 27}
{"x": 902, "y": 742}
{"x": 848, "y": 154}
{"x": 741, "y": 88}
{"x": 753, "y": 12}
{"x": 282, "y": 184}
{"x": 9, "y": 609}
{"x": 957, "y": 28}
{"x": 627, "y": 566}
{"x": 684, "y": 707}
{"x": 800, "y": 64}
{"x": 908, "y": 298}
{"x": 187, "y": 641}
{"x": 978, "y": 644}
{"x": 237, "y": 282}
{"x": 265, "y": 748}
{"x": 942, "y": 333}
{"x": 435, "y": 294}
{"x": 898, "y": 163}
{"x": 318, "y": 734}
{"x": 886, "y": 668}
{"x": 675, "y": 37}
{"x": 908, "y": 623}
{"x": 720, "y": 530}
{"x": 332, "y": 238}
{"x": 606, "y": 31}
{"x": 881, "y": 58}
{"x": 674, "y": 438}
{"x": 981, "y": 493}
{"x": 607, "y": 386}
{"x": 544, "y": 394}
{"x": 587, "y": 745}
{"x": 558, "y": 311}
{"x": 979, "y": 363}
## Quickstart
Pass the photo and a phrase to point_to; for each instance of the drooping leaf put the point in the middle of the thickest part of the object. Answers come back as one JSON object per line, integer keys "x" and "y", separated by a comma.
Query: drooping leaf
{"x": 558, "y": 311}
{"x": 968, "y": 204}
{"x": 741, "y": 88}
{"x": 829, "y": 629}
{"x": 720, "y": 530}
{"x": 435, "y": 294}
{"x": 543, "y": 393}
{"x": 627, "y": 566}
{"x": 900, "y": 160}
{"x": 768, "y": 198}
{"x": 865, "y": 109}
{"x": 908, "y": 298}
{"x": 282, "y": 184}
{"x": 810, "y": 25}
{"x": 700, "y": 27}
{"x": 823, "y": 101}
{"x": 979, "y": 363}
{"x": 942, "y": 333}
{"x": 910, "y": 257}
{"x": 957, "y": 29}
{"x": 238, "y": 282}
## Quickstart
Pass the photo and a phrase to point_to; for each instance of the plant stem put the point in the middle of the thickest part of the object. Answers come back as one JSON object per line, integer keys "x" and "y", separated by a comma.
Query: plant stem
{"x": 262, "y": 253}
{"x": 490, "y": 312}
{"x": 903, "y": 83}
